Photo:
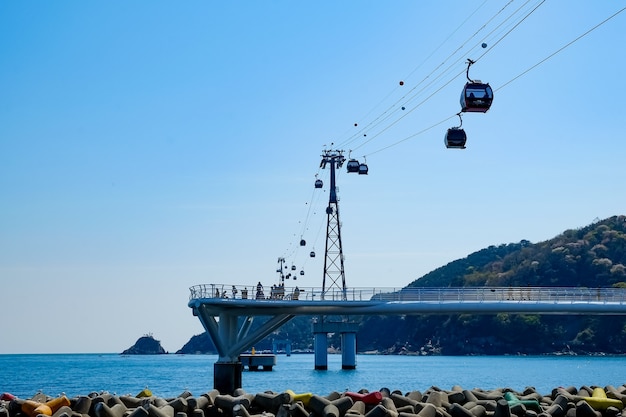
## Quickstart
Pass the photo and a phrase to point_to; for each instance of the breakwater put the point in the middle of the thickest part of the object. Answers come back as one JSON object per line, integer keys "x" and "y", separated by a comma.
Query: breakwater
{"x": 585, "y": 401}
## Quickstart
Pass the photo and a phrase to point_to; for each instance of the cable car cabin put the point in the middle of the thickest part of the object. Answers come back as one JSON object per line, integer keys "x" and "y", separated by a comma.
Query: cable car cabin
{"x": 302, "y": 242}
{"x": 353, "y": 165}
{"x": 319, "y": 184}
{"x": 363, "y": 169}
{"x": 302, "y": 272}
{"x": 293, "y": 267}
{"x": 455, "y": 138}
{"x": 312, "y": 254}
{"x": 476, "y": 97}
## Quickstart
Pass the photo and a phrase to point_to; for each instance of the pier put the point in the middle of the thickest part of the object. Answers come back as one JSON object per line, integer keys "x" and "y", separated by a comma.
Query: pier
{"x": 220, "y": 315}
{"x": 255, "y": 361}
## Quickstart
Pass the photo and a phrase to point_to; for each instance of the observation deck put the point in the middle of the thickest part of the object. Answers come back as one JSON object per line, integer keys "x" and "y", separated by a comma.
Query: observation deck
{"x": 220, "y": 307}
{"x": 363, "y": 301}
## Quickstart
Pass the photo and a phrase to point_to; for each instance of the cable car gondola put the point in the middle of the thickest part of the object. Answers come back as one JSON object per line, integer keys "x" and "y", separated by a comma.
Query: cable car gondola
{"x": 312, "y": 254}
{"x": 353, "y": 165}
{"x": 319, "y": 184}
{"x": 455, "y": 137}
{"x": 302, "y": 242}
{"x": 301, "y": 272}
{"x": 363, "y": 169}
{"x": 476, "y": 96}
{"x": 293, "y": 267}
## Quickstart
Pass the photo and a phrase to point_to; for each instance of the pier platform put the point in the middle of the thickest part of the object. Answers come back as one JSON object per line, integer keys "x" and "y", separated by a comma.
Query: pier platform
{"x": 264, "y": 361}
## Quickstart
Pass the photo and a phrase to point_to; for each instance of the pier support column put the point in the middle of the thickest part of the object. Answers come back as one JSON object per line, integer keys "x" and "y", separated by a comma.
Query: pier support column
{"x": 348, "y": 350}
{"x": 320, "y": 346}
{"x": 347, "y": 330}
{"x": 227, "y": 376}
{"x": 231, "y": 342}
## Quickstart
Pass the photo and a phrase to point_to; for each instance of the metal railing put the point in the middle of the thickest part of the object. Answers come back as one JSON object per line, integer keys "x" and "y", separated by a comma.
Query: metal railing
{"x": 430, "y": 295}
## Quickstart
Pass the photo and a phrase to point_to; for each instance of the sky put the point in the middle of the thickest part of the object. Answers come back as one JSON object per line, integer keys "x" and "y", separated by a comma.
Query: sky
{"x": 149, "y": 146}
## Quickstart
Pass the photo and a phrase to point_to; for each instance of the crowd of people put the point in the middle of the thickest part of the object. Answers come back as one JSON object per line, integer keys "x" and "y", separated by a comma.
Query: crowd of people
{"x": 277, "y": 292}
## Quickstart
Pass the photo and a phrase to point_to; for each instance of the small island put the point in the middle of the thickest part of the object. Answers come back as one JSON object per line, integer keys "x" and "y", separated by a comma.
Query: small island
{"x": 145, "y": 345}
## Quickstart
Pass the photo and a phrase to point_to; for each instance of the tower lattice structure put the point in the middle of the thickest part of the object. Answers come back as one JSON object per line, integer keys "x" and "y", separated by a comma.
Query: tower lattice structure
{"x": 334, "y": 280}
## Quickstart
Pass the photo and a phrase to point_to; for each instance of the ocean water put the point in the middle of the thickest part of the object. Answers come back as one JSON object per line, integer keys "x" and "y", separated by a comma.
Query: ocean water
{"x": 170, "y": 375}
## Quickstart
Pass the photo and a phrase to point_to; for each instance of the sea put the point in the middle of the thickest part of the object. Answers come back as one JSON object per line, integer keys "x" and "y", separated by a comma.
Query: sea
{"x": 170, "y": 375}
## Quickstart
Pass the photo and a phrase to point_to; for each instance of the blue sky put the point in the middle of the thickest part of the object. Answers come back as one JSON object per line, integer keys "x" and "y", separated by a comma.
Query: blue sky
{"x": 146, "y": 147}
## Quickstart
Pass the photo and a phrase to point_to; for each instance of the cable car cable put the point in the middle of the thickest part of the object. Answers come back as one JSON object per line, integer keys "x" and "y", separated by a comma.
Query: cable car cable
{"x": 450, "y": 35}
{"x": 371, "y": 137}
{"x": 432, "y": 94}
{"x": 516, "y": 77}
{"x": 413, "y": 135}
{"x": 511, "y": 30}
{"x": 562, "y": 48}
{"x": 359, "y": 133}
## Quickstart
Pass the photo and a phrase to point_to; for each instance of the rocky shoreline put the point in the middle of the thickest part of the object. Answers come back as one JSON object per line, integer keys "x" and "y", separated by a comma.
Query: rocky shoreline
{"x": 586, "y": 401}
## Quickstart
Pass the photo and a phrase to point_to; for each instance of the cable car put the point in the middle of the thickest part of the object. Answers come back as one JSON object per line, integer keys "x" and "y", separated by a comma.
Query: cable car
{"x": 301, "y": 272}
{"x": 353, "y": 165}
{"x": 293, "y": 267}
{"x": 363, "y": 169}
{"x": 312, "y": 254}
{"x": 319, "y": 184}
{"x": 455, "y": 138}
{"x": 302, "y": 242}
{"x": 476, "y": 97}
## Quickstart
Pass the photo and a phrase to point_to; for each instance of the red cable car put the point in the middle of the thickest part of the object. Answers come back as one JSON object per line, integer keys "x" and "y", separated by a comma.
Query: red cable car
{"x": 476, "y": 96}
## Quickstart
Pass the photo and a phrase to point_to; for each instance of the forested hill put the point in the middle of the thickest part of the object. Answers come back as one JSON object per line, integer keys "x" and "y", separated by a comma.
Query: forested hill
{"x": 591, "y": 256}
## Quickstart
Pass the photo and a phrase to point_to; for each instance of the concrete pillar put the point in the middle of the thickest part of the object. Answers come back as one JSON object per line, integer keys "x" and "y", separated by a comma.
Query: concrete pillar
{"x": 348, "y": 350}
{"x": 320, "y": 346}
{"x": 227, "y": 376}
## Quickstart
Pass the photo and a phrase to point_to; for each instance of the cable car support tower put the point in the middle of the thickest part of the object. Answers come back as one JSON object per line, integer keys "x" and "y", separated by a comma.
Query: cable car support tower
{"x": 334, "y": 279}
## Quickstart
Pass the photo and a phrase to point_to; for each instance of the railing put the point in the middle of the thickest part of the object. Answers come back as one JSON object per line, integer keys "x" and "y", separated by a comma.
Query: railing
{"x": 440, "y": 295}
